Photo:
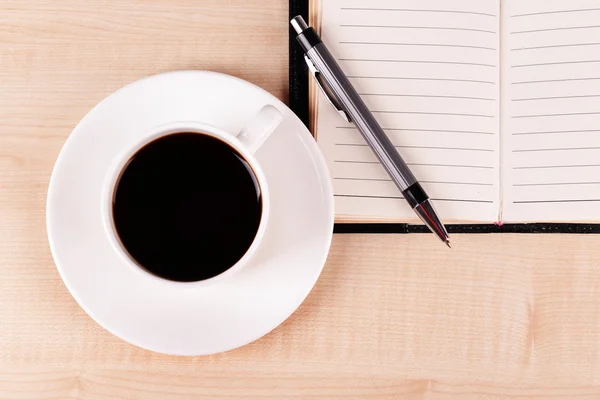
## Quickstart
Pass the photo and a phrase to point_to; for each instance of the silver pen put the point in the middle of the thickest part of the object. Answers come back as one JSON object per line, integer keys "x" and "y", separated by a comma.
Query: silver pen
{"x": 342, "y": 95}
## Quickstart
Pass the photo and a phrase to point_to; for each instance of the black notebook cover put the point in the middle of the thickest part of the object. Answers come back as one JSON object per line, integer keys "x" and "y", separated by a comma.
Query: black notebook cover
{"x": 298, "y": 98}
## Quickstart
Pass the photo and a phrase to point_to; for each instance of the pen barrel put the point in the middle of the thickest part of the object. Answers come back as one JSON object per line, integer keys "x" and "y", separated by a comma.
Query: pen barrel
{"x": 359, "y": 113}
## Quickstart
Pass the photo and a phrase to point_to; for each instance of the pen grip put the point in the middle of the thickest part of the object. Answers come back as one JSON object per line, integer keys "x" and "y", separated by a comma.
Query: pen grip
{"x": 365, "y": 122}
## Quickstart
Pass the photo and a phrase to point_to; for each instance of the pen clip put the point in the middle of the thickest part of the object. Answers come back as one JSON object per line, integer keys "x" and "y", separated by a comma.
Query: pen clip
{"x": 328, "y": 94}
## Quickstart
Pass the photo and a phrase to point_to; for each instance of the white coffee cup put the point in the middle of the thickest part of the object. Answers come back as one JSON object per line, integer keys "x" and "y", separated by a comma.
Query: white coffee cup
{"x": 246, "y": 143}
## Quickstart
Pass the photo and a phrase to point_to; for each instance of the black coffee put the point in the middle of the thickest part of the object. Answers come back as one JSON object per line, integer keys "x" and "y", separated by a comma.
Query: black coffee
{"x": 187, "y": 207}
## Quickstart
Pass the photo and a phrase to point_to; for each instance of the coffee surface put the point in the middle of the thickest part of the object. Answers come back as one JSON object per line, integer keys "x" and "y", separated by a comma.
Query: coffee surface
{"x": 187, "y": 207}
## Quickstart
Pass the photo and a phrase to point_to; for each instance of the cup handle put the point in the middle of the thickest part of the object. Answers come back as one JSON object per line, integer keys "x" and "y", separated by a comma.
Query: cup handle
{"x": 260, "y": 127}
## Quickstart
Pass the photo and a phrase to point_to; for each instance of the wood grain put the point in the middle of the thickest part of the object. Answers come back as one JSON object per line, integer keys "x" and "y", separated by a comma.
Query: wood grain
{"x": 393, "y": 316}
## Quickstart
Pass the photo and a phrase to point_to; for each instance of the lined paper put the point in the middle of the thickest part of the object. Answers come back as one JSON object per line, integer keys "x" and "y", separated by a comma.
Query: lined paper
{"x": 551, "y": 110}
{"x": 429, "y": 72}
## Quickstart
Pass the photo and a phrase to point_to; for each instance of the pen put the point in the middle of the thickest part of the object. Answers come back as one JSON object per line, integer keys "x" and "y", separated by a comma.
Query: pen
{"x": 342, "y": 95}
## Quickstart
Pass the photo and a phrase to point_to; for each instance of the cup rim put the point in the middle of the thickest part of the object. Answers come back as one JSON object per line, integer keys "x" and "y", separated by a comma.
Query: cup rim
{"x": 119, "y": 164}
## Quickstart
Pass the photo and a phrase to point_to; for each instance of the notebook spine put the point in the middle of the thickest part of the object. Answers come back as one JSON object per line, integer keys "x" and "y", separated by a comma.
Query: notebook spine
{"x": 298, "y": 73}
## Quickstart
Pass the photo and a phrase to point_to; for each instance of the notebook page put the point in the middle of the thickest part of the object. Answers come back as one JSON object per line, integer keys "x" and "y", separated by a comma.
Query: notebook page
{"x": 428, "y": 70}
{"x": 551, "y": 110}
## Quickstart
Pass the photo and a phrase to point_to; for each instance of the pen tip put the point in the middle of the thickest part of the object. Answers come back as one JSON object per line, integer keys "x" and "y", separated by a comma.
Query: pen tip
{"x": 448, "y": 243}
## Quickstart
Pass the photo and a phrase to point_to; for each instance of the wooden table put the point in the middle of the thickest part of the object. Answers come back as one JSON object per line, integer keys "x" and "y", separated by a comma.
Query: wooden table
{"x": 392, "y": 316}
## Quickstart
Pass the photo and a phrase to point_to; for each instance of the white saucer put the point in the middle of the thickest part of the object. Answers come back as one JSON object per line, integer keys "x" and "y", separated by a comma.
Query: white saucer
{"x": 203, "y": 320}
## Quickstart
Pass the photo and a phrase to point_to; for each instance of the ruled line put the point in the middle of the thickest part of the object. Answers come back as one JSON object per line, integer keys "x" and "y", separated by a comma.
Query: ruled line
{"x": 424, "y": 130}
{"x": 431, "y": 113}
{"x": 558, "y": 166}
{"x": 418, "y": 27}
{"x": 458, "y": 183}
{"x": 367, "y": 197}
{"x": 555, "y": 184}
{"x": 429, "y": 96}
{"x": 555, "y": 12}
{"x": 428, "y": 182}
{"x": 464, "y": 200}
{"x": 361, "y": 179}
{"x": 552, "y": 132}
{"x": 461, "y": 46}
{"x": 418, "y": 147}
{"x": 556, "y": 80}
{"x": 417, "y": 164}
{"x": 417, "y": 10}
{"x": 355, "y": 162}
{"x": 420, "y": 62}
{"x": 555, "y": 115}
{"x": 423, "y": 79}
{"x": 556, "y": 201}
{"x": 555, "y": 63}
{"x": 554, "y": 46}
{"x": 555, "y": 29}
{"x": 399, "y": 197}
{"x": 561, "y": 149}
{"x": 558, "y": 97}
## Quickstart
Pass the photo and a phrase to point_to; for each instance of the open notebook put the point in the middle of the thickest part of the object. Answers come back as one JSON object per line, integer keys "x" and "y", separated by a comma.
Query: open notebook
{"x": 494, "y": 104}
